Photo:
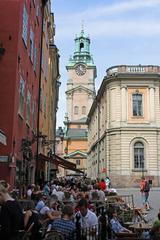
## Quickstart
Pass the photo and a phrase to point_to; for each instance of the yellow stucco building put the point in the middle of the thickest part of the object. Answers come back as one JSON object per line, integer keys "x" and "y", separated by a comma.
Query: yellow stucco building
{"x": 49, "y": 90}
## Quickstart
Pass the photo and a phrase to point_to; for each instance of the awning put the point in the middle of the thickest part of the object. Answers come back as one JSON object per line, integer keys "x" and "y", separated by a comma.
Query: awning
{"x": 3, "y": 138}
{"x": 55, "y": 159}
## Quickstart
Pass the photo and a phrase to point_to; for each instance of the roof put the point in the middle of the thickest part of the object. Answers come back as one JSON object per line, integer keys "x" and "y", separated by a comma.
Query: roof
{"x": 76, "y": 133}
{"x": 81, "y": 120}
{"x": 75, "y": 153}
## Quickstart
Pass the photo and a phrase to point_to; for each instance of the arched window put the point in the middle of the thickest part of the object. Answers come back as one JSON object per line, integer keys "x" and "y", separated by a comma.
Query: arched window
{"x": 76, "y": 110}
{"x": 83, "y": 110}
{"x": 139, "y": 155}
{"x": 137, "y": 104}
{"x": 81, "y": 46}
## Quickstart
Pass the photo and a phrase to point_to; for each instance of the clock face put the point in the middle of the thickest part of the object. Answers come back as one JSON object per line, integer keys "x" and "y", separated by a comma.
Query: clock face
{"x": 80, "y": 69}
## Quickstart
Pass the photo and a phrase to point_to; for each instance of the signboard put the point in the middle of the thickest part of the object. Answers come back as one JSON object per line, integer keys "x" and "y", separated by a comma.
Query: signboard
{"x": 4, "y": 159}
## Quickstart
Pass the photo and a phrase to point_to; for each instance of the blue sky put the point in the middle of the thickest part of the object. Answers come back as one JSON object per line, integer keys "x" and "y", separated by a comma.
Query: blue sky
{"x": 121, "y": 32}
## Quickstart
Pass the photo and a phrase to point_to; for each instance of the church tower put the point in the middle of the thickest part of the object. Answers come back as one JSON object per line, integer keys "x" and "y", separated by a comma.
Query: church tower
{"x": 79, "y": 97}
{"x": 81, "y": 79}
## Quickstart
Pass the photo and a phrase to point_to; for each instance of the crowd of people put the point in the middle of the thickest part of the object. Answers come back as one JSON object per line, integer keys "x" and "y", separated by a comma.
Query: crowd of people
{"x": 58, "y": 205}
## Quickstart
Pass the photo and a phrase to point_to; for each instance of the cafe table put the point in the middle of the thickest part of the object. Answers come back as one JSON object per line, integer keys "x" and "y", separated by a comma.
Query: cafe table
{"x": 140, "y": 227}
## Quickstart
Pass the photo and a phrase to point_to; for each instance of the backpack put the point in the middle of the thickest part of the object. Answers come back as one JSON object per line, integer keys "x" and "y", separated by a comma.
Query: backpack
{"x": 147, "y": 187}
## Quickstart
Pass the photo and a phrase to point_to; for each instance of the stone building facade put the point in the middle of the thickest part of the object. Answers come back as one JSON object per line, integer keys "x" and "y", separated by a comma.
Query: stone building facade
{"x": 124, "y": 126}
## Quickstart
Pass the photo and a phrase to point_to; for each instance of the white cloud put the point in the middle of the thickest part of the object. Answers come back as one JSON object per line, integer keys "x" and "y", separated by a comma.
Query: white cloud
{"x": 104, "y": 28}
{"x": 100, "y": 24}
{"x": 111, "y": 9}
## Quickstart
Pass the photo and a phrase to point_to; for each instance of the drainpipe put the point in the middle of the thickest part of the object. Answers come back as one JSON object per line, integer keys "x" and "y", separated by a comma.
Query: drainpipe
{"x": 98, "y": 147}
{"x": 39, "y": 92}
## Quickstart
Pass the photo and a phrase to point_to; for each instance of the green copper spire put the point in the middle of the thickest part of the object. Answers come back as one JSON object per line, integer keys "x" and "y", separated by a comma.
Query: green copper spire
{"x": 82, "y": 50}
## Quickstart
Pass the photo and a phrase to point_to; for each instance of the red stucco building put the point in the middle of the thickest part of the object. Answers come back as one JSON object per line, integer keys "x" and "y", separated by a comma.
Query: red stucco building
{"x": 20, "y": 36}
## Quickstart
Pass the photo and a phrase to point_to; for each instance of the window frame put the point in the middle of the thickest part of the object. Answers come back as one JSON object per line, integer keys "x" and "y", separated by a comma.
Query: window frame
{"x": 28, "y": 107}
{"x": 25, "y": 25}
{"x": 21, "y": 96}
{"x": 84, "y": 110}
{"x": 31, "y": 44}
{"x": 137, "y": 107}
{"x": 76, "y": 110}
{"x": 78, "y": 162}
{"x": 140, "y": 162}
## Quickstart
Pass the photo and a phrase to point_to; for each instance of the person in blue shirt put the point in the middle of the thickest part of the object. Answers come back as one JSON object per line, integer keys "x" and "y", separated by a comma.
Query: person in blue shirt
{"x": 46, "y": 189}
{"x": 65, "y": 225}
{"x": 41, "y": 203}
{"x": 116, "y": 225}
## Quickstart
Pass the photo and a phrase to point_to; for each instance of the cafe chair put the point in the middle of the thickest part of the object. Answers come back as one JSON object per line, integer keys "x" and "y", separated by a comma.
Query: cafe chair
{"x": 54, "y": 235}
{"x": 126, "y": 236}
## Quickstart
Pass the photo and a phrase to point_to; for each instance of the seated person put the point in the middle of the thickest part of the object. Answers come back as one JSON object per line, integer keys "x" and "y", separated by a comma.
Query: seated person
{"x": 49, "y": 211}
{"x": 65, "y": 224}
{"x": 41, "y": 202}
{"x": 155, "y": 231}
{"x": 32, "y": 222}
{"x": 116, "y": 225}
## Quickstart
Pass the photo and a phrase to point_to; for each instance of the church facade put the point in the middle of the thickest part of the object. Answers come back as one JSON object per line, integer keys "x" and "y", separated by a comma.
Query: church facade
{"x": 124, "y": 126}
{"x": 80, "y": 95}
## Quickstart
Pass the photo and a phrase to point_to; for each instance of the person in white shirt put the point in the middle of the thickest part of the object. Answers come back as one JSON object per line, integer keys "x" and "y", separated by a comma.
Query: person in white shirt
{"x": 60, "y": 194}
{"x": 88, "y": 219}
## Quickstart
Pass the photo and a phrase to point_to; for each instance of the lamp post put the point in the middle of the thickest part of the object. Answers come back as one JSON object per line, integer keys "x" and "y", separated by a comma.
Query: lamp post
{"x": 142, "y": 167}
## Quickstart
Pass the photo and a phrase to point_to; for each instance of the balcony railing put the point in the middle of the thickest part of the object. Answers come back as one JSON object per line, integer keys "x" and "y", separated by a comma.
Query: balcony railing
{"x": 132, "y": 69}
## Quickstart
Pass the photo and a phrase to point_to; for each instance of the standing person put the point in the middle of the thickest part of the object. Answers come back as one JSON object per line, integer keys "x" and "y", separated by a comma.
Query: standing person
{"x": 46, "y": 189}
{"x": 146, "y": 194}
{"x": 142, "y": 185}
{"x": 88, "y": 219}
{"x": 144, "y": 189}
{"x": 11, "y": 216}
{"x": 102, "y": 184}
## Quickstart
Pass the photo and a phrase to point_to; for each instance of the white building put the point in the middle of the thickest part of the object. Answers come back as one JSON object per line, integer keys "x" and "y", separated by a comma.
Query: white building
{"x": 124, "y": 126}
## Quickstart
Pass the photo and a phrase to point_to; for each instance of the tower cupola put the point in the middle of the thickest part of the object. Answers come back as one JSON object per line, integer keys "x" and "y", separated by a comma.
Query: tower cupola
{"x": 82, "y": 50}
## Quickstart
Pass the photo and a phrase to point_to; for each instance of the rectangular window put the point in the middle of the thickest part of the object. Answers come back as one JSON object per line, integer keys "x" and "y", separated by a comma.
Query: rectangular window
{"x": 25, "y": 25}
{"x": 35, "y": 58}
{"x": 31, "y": 43}
{"x": 45, "y": 106}
{"x": 34, "y": 115}
{"x": 139, "y": 158}
{"x": 76, "y": 110}
{"x": 21, "y": 96}
{"x": 137, "y": 104}
{"x": 28, "y": 107}
{"x": 78, "y": 162}
{"x": 41, "y": 99}
{"x": 42, "y": 60}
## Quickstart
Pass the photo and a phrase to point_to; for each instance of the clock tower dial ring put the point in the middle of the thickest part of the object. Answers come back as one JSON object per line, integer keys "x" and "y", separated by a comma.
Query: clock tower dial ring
{"x": 80, "y": 69}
